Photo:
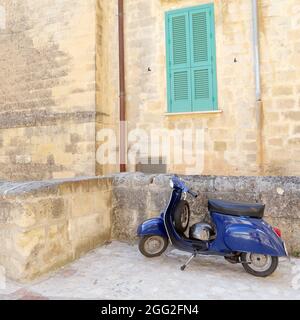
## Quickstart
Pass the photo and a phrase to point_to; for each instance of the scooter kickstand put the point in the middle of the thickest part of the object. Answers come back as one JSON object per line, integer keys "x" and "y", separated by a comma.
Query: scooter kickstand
{"x": 188, "y": 262}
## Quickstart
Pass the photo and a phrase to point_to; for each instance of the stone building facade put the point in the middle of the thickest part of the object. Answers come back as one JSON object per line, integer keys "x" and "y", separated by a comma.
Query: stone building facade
{"x": 59, "y": 86}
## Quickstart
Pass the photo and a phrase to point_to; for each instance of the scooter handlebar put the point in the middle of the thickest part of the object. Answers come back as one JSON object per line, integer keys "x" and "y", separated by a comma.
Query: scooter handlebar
{"x": 194, "y": 194}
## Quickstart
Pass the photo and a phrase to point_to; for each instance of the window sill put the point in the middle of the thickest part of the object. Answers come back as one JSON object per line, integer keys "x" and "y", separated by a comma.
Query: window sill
{"x": 193, "y": 113}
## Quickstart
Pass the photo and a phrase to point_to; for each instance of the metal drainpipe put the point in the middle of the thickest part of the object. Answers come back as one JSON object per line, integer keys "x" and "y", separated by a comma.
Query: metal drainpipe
{"x": 256, "y": 49}
{"x": 259, "y": 103}
{"x": 122, "y": 87}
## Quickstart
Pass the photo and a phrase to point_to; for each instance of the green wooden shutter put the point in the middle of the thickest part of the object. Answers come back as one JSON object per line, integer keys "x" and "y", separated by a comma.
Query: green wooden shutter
{"x": 179, "y": 72}
{"x": 191, "y": 57}
{"x": 202, "y": 59}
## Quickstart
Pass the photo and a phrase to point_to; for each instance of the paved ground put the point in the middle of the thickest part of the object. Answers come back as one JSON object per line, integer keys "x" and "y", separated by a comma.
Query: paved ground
{"x": 118, "y": 271}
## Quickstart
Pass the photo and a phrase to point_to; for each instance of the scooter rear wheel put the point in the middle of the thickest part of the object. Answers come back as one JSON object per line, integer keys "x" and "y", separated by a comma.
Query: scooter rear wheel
{"x": 153, "y": 246}
{"x": 259, "y": 265}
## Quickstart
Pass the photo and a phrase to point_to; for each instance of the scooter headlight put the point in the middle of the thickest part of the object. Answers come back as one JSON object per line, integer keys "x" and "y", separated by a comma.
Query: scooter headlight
{"x": 171, "y": 183}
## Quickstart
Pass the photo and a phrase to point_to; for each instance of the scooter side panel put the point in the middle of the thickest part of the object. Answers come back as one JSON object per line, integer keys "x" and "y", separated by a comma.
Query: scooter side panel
{"x": 243, "y": 234}
{"x": 247, "y": 239}
{"x": 153, "y": 226}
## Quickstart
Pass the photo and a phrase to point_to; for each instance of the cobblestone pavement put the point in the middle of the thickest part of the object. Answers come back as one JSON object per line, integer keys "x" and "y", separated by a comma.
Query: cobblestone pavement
{"x": 119, "y": 271}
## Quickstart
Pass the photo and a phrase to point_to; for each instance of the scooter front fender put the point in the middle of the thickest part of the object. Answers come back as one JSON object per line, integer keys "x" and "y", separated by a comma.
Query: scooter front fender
{"x": 153, "y": 226}
{"x": 255, "y": 237}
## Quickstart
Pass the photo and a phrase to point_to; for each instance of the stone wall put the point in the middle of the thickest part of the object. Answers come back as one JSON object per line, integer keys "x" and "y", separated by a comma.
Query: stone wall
{"x": 280, "y": 68}
{"x": 47, "y": 91}
{"x": 138, "y": 197}
{"x": 107, "y": 77}
{"x": 44, "y": 225}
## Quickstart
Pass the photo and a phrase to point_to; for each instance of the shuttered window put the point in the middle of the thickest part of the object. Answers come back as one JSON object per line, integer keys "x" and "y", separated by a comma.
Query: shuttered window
{"x": 191, "y": 60}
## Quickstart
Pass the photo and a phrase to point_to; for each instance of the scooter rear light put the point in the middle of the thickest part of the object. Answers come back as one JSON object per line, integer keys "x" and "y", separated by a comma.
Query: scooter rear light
{"x": 278, "y": 232}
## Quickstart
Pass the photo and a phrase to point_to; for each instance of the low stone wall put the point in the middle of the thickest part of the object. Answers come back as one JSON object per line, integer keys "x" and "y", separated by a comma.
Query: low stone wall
{"x": 44, "y": 225}
{"x": 137, "y": 197}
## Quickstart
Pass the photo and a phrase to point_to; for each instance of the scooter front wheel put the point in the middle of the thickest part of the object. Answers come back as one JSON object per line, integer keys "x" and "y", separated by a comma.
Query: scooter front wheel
{"x": 153, "y": 246}
{"x": 259, "y": 265}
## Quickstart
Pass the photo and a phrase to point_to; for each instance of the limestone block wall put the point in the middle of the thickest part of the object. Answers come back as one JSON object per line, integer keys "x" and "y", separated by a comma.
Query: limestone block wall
{"x": 47, "y": 91}
{"x": 246, "y": 138}
{"x": 280, "y": 54}
{"x": 231, "y": 141}
{"x": 44, "y": 225}
{"x": 59, "y": 84}
{"x": 107, "y": 79}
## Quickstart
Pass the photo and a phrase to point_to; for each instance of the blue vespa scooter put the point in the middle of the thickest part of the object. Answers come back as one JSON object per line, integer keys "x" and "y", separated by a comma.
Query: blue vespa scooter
{"x": 237, "y": 232}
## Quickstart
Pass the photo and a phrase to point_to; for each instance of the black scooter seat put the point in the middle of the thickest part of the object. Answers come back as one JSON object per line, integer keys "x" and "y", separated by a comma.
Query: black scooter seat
{"x": 252, "y": 210}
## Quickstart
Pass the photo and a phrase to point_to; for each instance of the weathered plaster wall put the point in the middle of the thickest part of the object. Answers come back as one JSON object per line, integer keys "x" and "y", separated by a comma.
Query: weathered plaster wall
{"x": 234, "y": 144}
{"x": 44, "y": 225}
{"x": 47, "y": 91}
